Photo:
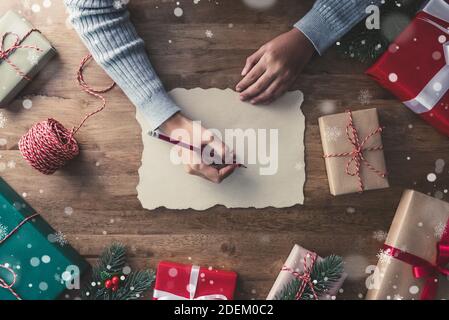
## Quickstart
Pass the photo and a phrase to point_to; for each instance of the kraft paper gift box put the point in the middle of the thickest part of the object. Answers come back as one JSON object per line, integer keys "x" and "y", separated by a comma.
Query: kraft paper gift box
{"x": 25, "y": 63}
{"x": 416, "y": 67}
{"x": 341, "y": 138}
{"x": 413, "y": 262}
{"x": 175, "y": 281}
{"x": 36, "y": 262}
{"x": 295, "y": 261}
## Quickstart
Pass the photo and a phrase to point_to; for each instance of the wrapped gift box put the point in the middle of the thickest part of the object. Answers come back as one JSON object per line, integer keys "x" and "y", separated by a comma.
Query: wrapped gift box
{"x": 413, "y": 262}
{"x": 341, "y": 161}
{"x": 28, "y": 60}
{"x": 36, "y": 262}
{"x": 176, "y": 281}
{"x": 295, "y": 261}
{"x": 416, "y": 66}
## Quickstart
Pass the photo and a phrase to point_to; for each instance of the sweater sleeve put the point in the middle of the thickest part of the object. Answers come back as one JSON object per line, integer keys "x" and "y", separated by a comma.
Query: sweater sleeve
{"x": 329, "y": 20}
{"x": 106, "y": 30}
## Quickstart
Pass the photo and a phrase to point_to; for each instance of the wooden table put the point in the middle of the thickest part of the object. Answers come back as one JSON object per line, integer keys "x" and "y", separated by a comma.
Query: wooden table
{"x": 100, "y": 185}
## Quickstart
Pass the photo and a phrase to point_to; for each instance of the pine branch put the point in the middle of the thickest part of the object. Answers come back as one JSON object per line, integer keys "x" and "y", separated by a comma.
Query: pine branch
{"x": 111, "y": 263}
{"x": 324, "y": 275}
{"x": 367, "y": 45}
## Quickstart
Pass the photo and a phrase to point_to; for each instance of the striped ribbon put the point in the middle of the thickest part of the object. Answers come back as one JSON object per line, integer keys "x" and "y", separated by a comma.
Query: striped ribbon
{"x": 304, "y": 276}
{"x": 356, "y": 155}
{"x": 6, "y": 53}
{"x": 3, "y": 283}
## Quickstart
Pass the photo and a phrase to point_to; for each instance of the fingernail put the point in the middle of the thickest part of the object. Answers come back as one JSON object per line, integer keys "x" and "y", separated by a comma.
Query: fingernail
{"x": 238, "y": 89}
{"x": 253, "y": 101}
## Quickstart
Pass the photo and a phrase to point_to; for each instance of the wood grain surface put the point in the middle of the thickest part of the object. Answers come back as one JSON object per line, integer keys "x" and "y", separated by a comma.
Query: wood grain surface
{"x": 100, "y": 185}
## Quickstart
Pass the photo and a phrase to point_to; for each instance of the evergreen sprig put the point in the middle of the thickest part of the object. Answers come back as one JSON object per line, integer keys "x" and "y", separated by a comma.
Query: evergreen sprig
{"x": 324, "y": 275}
{"x": 112, "y": 261}
{"x": 367, "y": 45}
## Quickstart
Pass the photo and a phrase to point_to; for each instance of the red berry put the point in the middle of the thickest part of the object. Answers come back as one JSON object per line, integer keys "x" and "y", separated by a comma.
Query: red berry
{"x": 115, "y": 280}
{"x": 108, "y": 284}
{"x": 114, "y": 288}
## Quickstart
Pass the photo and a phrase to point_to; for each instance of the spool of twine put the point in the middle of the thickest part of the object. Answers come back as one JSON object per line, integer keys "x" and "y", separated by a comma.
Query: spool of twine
{"x": 48, "y": 145}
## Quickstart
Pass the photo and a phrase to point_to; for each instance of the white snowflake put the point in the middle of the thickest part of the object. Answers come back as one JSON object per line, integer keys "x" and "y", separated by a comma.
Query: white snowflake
{"x": 58, "y": 237}
{"x": 384, "y": 256}
{"x": 3, "y": 120}
{"x": 365, "y": 96}
{"x": 33, "y": 57}
{"x": 3, "y": 231}
{"x": 380, "y": 235}
{"x": 440, "y": 230}
{"x": 299, "y": 166}
{"x": 333, "y": 133}
{"x": 397, "y": 296}
{"x": 119, "y": 4}
{"x": 209, "y": 34}
{"x": 11, "y": 164}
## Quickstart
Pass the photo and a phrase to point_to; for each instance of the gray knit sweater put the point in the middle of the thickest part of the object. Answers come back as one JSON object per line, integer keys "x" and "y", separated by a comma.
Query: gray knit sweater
{"x": 106, "y": 30}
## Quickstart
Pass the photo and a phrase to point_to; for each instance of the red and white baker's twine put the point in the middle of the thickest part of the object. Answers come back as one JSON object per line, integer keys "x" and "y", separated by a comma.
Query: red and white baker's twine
{"x": 304, "y": 276}
{"x": 5, "y": 53}
{"x": 356, "y": 154}
{"x": 3, "y": 283}
{"x": 48, "y": 145}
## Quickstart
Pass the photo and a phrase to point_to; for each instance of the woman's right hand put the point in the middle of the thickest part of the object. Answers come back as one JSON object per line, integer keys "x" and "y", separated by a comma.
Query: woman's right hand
{"x": 195, "y": 165}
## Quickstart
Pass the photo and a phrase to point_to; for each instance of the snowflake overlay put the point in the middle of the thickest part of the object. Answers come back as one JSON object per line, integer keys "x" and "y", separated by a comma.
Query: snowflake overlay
{"x": 365, "y": 97}
{"x": 209, "y": 34}
{"x": 59, "y": 238}
{"x": 119, "y": 4}
{"x": 398, "y": 297}
{"x": 333, "y": 133}
{"x": 384, "y": 256}
{"x": 440, "y": 230}
{"x": 3, "y": 231}
{"x": 33, "y": 57}
{"x": 11, "y": 164}
{"x": 380, "y": 235}
{"x": 3, "y": 120}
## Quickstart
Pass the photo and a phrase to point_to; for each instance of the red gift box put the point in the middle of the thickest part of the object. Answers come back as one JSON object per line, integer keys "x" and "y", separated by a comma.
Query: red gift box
{"x": 415, "y": 68}
{"x": 175, "y": 281}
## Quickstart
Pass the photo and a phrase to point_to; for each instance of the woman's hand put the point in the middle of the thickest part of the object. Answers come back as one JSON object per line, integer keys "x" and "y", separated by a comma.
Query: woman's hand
{"x": 274, "y": 68}
{"x": 195, "y": 164}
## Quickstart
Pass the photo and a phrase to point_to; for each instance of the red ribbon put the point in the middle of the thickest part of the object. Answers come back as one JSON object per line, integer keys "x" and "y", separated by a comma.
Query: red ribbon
{"x": 305, "y": 276}
{"x": 3, "y": 283}
{"x": 357, "y": 157}
{"x": 423, "y": 269}
{"x": 5, "y": 53}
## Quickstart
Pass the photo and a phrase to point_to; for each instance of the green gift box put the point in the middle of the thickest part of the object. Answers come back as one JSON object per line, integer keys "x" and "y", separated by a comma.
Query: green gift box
{"x": 36, "y": 262}
{"x": 18, "y": 66}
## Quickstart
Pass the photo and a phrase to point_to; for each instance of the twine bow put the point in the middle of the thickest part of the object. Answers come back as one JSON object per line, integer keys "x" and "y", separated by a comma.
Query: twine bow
{"x": 353, "y": 167}
{"x": 3, "y": 283}
{"x": 6, "y": 53}
{"x": 304, "y": 276}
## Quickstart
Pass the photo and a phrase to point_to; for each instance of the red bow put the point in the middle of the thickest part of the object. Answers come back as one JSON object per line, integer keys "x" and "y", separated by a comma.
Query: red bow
{"x": 5, "y": 53}
{"x": 304, "y": 276}
{"x": 357, "y": 157}
{"x": 423, "y": 269}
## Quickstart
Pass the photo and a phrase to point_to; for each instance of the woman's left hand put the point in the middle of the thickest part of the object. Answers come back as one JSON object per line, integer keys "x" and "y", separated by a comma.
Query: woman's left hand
{"x": 274, "y": 68}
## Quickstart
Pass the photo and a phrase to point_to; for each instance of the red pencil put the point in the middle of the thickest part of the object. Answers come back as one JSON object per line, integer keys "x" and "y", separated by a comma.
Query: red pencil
{"x": 184, "y": 145}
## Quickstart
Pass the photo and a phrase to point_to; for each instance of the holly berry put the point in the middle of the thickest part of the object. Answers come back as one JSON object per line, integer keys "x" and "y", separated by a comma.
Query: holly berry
{"x": 108, "y": 284}
{"x": 115, "y": 280}
{"x": 115, "y": 288}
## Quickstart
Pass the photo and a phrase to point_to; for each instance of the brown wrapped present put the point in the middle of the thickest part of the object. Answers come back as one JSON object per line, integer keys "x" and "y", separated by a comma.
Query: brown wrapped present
{"x": 413, "y": 262}
{"x": 353, "y": 151}
{"x": 299, "y": 264}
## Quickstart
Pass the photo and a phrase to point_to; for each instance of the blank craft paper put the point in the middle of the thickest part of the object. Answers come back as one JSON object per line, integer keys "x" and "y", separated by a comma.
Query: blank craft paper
{"x": 165, "y": 184}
